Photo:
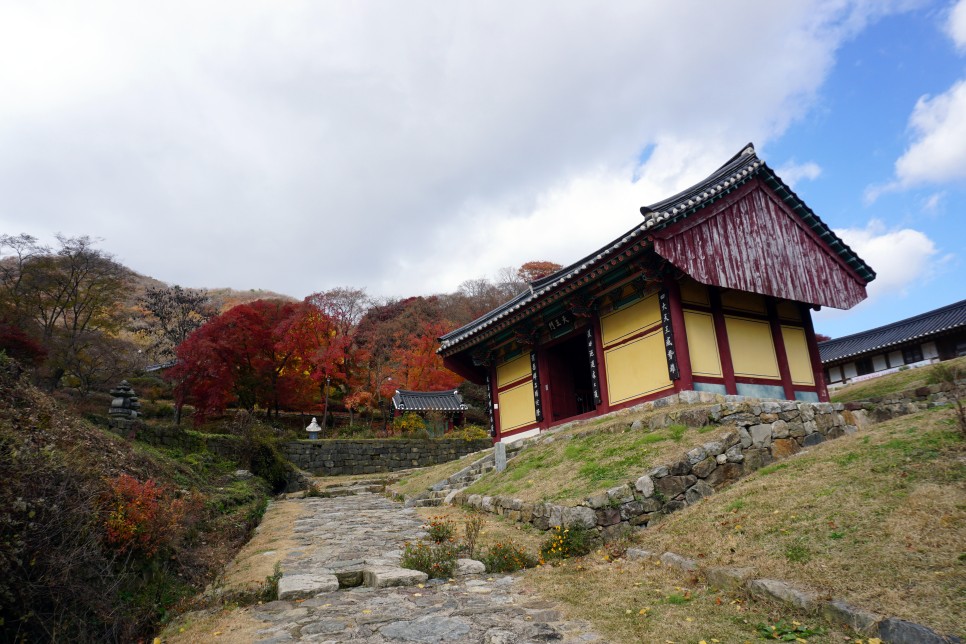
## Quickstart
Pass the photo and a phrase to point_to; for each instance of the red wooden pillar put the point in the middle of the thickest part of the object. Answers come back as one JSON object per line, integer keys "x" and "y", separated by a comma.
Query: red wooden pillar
{"x": 724, "y": 348}
{"x": 686, "y": 382}
{"x": 780, "y": 354}
{"x": 817, "y": 373}
{"x": 494, "y": 401}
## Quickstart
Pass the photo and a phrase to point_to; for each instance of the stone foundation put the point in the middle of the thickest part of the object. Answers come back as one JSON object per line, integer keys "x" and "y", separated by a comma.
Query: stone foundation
{"x": 763, "y": 432}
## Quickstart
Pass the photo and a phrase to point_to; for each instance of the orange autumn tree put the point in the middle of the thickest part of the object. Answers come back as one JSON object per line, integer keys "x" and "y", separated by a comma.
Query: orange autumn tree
{"x": 418, "y": 367}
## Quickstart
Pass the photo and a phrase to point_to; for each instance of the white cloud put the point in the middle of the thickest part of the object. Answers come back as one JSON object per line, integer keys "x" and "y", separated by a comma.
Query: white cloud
{"x": 401, "y": 146}
{"x": 956, "y": 25}
{"x": 793, "y": 172}
{"x": 937, "y": 154}
{"x": 902, "y": 258}
{"x": 934, "y": 202}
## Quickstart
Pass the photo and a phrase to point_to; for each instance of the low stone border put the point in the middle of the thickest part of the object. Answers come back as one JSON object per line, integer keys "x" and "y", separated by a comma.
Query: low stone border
{"x": 888, "y": 629}
{"x": 763, "y": 432}
{"x": 910, "y": 401}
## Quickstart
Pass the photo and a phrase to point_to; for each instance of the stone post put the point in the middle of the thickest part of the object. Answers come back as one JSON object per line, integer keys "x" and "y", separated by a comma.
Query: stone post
{"x": 499, "y": 456}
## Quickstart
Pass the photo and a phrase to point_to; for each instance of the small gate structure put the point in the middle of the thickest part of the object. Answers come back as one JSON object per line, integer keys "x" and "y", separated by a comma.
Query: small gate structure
{"x": 440, "y": 410}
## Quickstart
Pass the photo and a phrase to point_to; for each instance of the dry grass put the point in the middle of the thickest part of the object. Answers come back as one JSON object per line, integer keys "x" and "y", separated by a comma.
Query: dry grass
{"x": 419, "y": 481}
{"x": 587, "y": 459}
{"x": 270, "y": 544}
{"x": 496, "y": 529}
{"x": 631, "y": 601}
{"x": 891, "y": 384}
{"x": 877, "y": 519}
{"x": 217, "y": 625}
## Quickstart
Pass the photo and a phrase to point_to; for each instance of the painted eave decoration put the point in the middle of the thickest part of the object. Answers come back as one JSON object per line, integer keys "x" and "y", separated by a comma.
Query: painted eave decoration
{"x": 740, "y": 228}
{"x": 449, "y": 400}
{"x": 941, "y": 320}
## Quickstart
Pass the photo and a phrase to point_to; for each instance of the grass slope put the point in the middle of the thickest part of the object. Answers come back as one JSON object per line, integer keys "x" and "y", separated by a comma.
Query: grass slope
{"x": 891, "y": 384}
{"x": 587, "y": 459}
{"x": 877, "y": 519}
{"x": 62, "y": 577}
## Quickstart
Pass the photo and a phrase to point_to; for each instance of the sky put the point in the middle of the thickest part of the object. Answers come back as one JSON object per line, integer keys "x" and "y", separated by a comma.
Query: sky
{"x": 406, "y": 147}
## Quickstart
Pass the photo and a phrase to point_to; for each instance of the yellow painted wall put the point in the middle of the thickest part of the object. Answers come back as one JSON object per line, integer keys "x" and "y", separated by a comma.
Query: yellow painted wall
{"x": 628, "y": 321}
{"x": 752, "y": 348}
{"x": 636, "y": 368}
{"x": 693, "y": 292}
{"x": 513, "y": 370}
{"x": 702, "y": 344}
{"x": 796, "y": 348}
{"x": 516, "y": 407}
{"x": 743, "y": 301}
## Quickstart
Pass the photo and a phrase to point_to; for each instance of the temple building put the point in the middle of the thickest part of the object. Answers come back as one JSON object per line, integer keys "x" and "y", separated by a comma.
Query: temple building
{"x": 711, "y": 292}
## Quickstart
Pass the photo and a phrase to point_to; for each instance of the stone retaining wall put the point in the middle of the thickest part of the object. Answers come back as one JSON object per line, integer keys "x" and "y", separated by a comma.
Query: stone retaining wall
{"x": 906, "y": 402}
{"x": 763, "y": 431}
{"x": 340, "y": 457}
{"x": 178, "y": 437}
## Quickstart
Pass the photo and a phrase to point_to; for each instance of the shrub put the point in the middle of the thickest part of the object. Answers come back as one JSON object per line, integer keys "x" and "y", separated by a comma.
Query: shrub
{"x": 313, "y": 491}
{"x": 440, "y": 529}
{"x": 437, "y": 560}
{"x": 409, "y": 424}
{"x": 507, "y": 557}
{"x": 144, "y": 516}
{"x": 472, "y": 528}
{"x": 468, "y": 433}
{"x": 567, "y": 542}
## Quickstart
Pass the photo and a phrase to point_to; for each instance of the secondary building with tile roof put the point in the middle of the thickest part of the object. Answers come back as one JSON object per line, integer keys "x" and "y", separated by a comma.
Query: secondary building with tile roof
{"x": 711, "y": 292}
{"x": 916, "y": 341}
{"x": 441, "y": 410}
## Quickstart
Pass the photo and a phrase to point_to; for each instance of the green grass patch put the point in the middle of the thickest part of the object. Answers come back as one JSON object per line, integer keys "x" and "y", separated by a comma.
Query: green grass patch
{"x": 892, "y": 384}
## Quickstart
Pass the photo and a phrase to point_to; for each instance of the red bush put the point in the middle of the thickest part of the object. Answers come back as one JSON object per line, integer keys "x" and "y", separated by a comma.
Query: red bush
{"x": 143, "y": 517}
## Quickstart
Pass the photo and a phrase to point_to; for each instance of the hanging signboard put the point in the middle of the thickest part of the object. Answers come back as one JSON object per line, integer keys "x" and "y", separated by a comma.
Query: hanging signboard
{"x": 537, "y": 408}
{"x": 670, "y": 352}
{"x": 592, "y": 354}
{"x": 489, "y": 406}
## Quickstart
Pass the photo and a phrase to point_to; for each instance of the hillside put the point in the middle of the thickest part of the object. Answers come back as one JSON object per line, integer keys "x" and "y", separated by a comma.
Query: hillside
{"x": 876, "y": 519}
{"x": 104, "y": 536}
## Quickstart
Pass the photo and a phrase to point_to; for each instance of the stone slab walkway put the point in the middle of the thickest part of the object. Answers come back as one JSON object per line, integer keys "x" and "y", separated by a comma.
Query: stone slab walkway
{"x": 344, "y": 537}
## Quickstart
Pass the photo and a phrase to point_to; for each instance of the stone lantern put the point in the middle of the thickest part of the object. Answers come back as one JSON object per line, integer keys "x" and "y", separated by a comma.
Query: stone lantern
{"x": 313, "y": 429}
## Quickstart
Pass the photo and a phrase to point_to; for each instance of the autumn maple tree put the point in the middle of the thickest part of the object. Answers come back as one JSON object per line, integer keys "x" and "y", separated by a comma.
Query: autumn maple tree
{"x": 418, "y": 367}
{"x": 255, "y": 355}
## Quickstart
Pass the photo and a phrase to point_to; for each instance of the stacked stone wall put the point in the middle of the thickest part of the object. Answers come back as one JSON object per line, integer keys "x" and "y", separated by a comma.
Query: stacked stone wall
{"x": 176, "y": 437}
{"x": 884, "y": 408}
{"x": 342, "y": 457}
{"x": 763, "y": 432}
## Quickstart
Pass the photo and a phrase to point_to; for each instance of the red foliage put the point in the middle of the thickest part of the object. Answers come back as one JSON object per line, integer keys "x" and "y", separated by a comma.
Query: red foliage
{"x": 532, "y": 271}
{"x": 263, "y": 353}
{"x": 417, "y": 365}
{"x": 20, "y": 346}
{"x": 141, "y": 516}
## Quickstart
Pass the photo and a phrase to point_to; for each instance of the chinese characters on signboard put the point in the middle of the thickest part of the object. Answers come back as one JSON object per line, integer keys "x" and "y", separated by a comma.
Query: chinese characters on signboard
{"x": 669, "y": 351}
{"x": 592, "y": 354}
{"x": 489, "y": 406}
{"x": 537, "y": 409}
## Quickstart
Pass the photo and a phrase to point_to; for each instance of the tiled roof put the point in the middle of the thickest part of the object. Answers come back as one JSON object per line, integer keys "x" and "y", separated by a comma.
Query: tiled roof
{"x": 921, "y": 326}
{"x": 737, "y": 171}
{"x": 449, "y": 400}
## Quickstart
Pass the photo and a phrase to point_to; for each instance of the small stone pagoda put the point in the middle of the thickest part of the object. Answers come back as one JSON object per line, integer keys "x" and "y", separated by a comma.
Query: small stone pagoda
{"x": 124, "y": 407}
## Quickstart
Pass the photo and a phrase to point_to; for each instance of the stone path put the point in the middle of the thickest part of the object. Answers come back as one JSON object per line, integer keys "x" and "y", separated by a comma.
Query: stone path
{"x": 353, "y": 540}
